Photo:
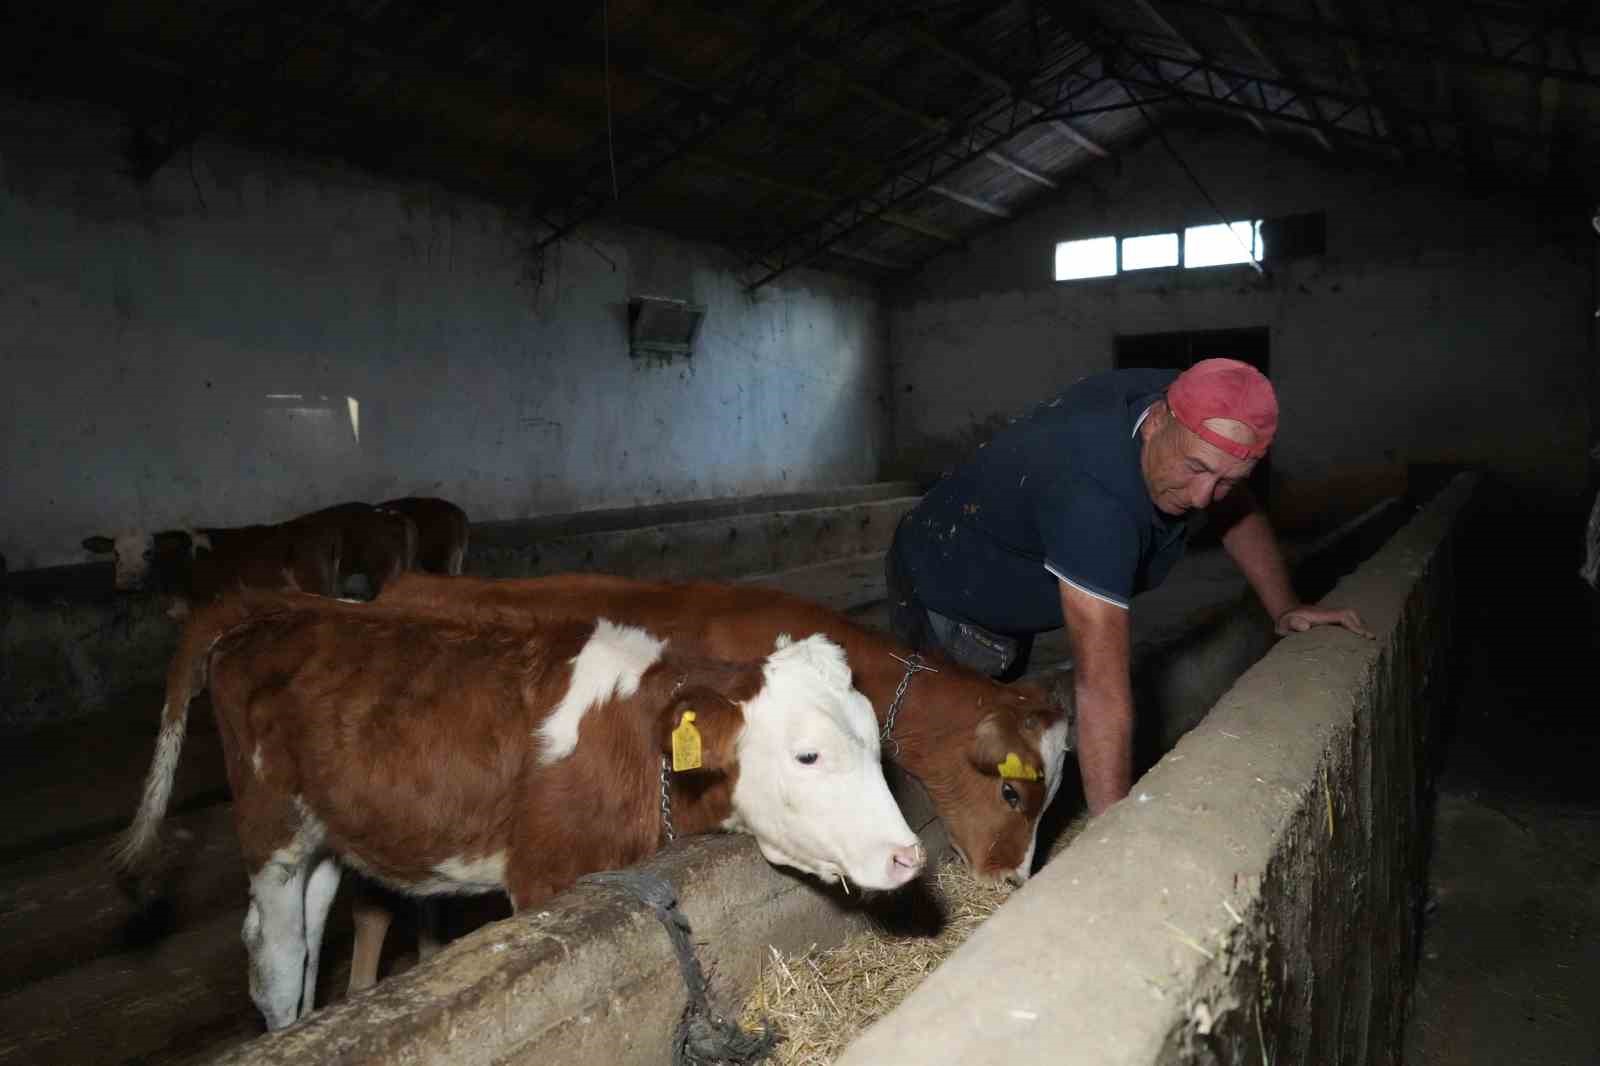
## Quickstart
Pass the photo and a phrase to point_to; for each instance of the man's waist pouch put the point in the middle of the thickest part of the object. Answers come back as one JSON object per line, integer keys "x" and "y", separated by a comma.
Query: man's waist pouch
{"x": 972, "y": 645}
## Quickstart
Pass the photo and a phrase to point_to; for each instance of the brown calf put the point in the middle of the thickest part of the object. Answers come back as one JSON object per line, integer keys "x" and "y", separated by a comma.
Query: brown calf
{"x": 378, "y": 543}
{"x": 441, "y": 532}
{"x": 952, "y": 732}
{"x": 444, "y": 756}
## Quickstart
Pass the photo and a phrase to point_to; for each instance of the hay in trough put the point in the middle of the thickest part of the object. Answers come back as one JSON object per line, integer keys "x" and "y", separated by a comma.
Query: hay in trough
{"x": 822, "y": 1000}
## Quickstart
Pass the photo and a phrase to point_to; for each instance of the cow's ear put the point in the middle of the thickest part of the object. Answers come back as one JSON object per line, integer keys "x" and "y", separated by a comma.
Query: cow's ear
{"x": 99, "y": 545}
{"x": 1000, "y": 748}
{"x": 698, "y": 730}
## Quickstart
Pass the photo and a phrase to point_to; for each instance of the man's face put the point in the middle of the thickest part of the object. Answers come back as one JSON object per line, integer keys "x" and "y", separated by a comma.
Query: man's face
{"x": 1185, "y": 473}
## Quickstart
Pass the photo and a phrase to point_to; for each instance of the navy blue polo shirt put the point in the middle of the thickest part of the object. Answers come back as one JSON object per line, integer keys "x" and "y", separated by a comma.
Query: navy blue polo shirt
{"x": 1058, "y": 494}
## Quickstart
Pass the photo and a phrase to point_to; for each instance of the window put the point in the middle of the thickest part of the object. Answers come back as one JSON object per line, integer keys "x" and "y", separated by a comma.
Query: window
{"x": 1155, "y": 250}
{"x": 1215, "y": 244}
{"x": 1092, "y": 258}
{"x": 1218, "y": 245}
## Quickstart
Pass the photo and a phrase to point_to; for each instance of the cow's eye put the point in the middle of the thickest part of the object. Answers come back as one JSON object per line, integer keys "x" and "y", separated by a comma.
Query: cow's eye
{"x": 806, "y": 758}
{"x": 1009, "y": 793}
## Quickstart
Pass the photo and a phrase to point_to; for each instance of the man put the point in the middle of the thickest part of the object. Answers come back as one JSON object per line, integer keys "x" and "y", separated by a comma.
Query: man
{"x": 1068, "y": 513}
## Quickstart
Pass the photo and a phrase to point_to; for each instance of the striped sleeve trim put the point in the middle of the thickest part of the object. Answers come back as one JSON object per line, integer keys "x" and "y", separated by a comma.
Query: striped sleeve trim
{"x": 1081, "y": 587}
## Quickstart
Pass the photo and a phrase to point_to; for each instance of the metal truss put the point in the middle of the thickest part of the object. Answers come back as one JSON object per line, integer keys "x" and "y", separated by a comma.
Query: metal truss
{"x": 653, "y": 146}
{"x": 1344, "y": 114}
{"x": 1560, "y": 44}
{"x": 912, "y": 173}
{"x": 217, "y": 82}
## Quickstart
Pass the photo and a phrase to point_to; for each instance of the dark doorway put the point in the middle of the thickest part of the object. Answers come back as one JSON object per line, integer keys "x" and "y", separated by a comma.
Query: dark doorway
{"x": 1180, "y": 351}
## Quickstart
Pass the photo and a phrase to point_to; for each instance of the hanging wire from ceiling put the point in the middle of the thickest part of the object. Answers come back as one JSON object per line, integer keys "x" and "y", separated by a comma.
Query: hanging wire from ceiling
{"x": 611, "y": 145}
{"x": 1193, "y": 177}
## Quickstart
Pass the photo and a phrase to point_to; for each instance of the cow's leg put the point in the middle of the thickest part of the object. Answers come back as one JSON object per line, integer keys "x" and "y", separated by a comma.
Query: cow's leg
{"x": 320, "y": 889}
{"x": 372, "y": 918}
{"x": 275, "y": 936}
{"x": 430, "y": 928}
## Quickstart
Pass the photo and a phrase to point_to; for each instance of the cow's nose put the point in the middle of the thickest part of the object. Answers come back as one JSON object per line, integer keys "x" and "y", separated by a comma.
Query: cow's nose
{"x": 905, "y": 863}
{"x": 1015, "y": 878}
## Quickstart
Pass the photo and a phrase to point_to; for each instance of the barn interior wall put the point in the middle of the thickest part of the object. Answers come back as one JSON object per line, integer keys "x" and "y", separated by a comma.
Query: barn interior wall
{"x": 248, "y": 337}
{"x": 1439, "y": 327}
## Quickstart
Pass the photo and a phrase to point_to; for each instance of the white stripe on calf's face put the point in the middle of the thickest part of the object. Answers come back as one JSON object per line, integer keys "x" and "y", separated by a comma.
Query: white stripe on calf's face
{"x": 810, "y": 786}
{"x": 131, "y": 555}
{"x": 1053, "y": 753}
{"x": 610, "y": 664}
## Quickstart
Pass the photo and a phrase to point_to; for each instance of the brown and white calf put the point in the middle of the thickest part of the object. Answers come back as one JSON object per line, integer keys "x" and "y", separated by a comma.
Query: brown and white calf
{"x": 991, "y": 756}
{"x": 442, "y": 756}
{"x": 442, "y": 531}
{"x": 193, "y": 566}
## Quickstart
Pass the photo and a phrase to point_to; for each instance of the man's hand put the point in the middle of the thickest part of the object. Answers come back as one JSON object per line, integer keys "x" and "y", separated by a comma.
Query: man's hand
{"x": 1301, "y": 618}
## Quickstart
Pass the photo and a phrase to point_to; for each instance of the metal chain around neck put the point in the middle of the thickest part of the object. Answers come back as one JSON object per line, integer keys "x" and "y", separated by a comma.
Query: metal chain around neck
{"x": 666, "y": 802}
{"x": 913, "y": 665}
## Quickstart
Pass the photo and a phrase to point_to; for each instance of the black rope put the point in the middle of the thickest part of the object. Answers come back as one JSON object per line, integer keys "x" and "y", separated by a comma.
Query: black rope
{"x": 702, "y": 1037}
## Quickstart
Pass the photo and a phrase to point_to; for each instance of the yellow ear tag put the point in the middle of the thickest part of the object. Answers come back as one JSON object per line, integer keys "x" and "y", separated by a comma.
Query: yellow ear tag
{"x": 686, "y": 744}
{"x": 1014, "y": 769}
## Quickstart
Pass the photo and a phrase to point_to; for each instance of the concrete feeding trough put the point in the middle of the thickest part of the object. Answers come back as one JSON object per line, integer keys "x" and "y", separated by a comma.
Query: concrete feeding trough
{"x": 594, "y": 976}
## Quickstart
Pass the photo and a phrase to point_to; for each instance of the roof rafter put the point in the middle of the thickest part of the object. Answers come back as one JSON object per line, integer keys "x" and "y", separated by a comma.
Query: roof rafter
{"x": 985, "y": 70}
{"x": 1402, "y": 42}
{"x": 1280, "y": 69}
{"x": 982, "y": 134}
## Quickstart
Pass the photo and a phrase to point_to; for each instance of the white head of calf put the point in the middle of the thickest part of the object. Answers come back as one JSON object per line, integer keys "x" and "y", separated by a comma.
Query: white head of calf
{"x": 135, "y": 555}
{"x": 811, "y": 787}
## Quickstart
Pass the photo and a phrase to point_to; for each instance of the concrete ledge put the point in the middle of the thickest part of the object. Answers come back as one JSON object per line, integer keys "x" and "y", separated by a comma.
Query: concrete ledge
{"x": 1260, "y": 885}
{"x": 712, "y": 549}
{"x": 548, "y": 527}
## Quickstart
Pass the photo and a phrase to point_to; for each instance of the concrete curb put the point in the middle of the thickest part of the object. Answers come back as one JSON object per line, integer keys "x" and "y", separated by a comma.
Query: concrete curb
{"x": 1254, "y": 899}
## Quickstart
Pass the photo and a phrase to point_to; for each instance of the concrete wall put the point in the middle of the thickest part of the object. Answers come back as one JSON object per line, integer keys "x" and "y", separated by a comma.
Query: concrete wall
{"x": 187, "y": 352}
{"x": 1437, "y": 328}
{"x": 1255, "y": 899}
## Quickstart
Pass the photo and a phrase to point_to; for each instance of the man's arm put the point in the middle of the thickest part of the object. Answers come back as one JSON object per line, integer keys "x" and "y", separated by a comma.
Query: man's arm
{"x": 1099, "y": 634}
{"x": 1249, "y": 541}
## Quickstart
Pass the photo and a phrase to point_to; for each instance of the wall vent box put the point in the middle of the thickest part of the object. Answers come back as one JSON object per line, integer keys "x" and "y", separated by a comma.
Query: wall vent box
{"x": 659, "y": 327}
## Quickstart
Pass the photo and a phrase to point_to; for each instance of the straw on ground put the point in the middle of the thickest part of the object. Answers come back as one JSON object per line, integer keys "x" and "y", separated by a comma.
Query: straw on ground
{"x": 822, "y": 1000}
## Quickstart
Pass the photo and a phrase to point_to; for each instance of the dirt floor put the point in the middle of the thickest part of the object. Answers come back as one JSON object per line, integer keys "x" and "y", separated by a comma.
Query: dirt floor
{"x": 1510, "y": 967}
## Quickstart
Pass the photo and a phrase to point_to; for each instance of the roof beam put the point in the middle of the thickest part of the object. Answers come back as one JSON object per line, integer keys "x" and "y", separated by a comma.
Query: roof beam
{"x": 1277, "y": 68}
{"x": 1021, "y": 169}
{"x": 1089, "y": 28}
{"x": 1367, "y": 74}
{"x": 667, "y": 140}
{"x": 1393, "y": 41}
{"x": 983, "y": 133}
{"x": 1194, "y": 53}
{"x": 869, "y": 257}
{"x": 973, "y": 202}
{"x": 985, "y": 70}
{"x": 1168, "y": 28}
{"x": 1374, "y": 134}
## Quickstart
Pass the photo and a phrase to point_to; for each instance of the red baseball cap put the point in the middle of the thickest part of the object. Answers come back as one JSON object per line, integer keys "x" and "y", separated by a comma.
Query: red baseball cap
{"x": 1226, "y": 388}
